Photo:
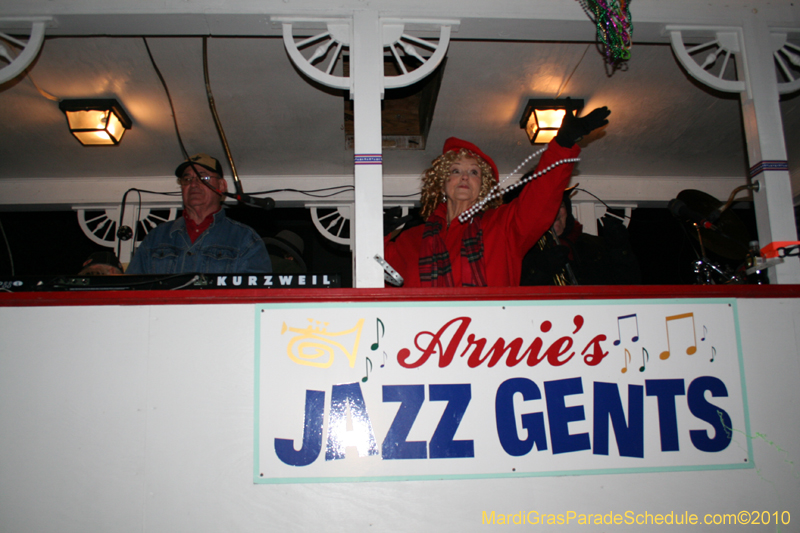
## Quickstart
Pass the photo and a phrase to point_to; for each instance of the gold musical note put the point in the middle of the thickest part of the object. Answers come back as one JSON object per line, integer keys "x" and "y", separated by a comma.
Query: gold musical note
{"x": 368, "y": 366}
{"x": 692, "y": 348}
{"x": 627, "y": 360}
{"x": 619, "y": 335}
{"x": 377, "y": 343}
{"x": 713, "y": 353}
{"x": 644, "y": 352}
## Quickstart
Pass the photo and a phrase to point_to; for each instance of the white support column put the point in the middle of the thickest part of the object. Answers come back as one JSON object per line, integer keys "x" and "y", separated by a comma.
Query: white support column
{"x": 766, "y": 148}
{"x": 367, "y": 92}
{"x": 753, "y": 46}
{"x": 366, "y": 36}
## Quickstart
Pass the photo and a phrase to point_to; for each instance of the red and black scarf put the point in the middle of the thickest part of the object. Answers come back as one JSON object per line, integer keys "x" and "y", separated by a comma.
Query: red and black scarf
{"x": 435, "y": 269}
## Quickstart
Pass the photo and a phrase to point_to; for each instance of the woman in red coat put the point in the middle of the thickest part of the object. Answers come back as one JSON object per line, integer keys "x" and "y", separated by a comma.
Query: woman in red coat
{"x": 485, "y": 247}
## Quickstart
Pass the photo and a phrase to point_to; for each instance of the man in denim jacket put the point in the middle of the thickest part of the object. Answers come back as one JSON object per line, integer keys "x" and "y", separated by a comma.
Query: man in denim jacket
{"x": 203, "y": 240}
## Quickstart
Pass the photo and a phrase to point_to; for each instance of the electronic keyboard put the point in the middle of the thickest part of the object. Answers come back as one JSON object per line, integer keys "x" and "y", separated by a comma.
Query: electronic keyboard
{"x": 150, "y": 282}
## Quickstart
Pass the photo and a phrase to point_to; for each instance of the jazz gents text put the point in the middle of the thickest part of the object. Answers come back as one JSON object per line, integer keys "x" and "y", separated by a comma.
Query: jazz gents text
{"x": 545, "y": 429}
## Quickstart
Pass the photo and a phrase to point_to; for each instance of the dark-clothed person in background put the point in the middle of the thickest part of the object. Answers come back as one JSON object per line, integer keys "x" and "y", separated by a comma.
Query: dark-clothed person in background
{"x": 286, "y": 253}
{"x": 203, "y": 240}
{"x": 593, "y": 260}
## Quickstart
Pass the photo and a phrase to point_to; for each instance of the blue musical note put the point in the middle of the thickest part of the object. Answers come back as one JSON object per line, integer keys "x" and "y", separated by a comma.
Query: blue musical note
{"x": 619, "y": 334}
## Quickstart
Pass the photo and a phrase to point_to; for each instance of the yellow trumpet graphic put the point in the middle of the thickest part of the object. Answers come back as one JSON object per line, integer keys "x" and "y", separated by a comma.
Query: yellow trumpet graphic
{"x": 312, "y": 344}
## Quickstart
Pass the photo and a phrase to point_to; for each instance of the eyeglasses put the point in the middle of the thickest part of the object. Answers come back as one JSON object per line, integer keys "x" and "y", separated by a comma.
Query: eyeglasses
{"x": 186, "y": 180}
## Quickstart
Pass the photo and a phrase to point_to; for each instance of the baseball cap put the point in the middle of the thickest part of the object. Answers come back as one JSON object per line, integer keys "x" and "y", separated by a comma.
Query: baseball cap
{"x": 204, "y": 160}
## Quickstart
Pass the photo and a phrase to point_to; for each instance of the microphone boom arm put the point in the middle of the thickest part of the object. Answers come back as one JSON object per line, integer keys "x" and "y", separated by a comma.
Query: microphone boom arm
{"x": 240, "y": 196}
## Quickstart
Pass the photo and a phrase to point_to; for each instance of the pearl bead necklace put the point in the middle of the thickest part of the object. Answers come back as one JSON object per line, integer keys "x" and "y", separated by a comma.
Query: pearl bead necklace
{"x": 497, "y": 191}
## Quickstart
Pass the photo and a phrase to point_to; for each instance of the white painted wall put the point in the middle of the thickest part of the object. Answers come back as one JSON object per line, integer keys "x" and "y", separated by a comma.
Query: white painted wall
{"x": 66, "y": 193}
{"x": 140, "y": 418}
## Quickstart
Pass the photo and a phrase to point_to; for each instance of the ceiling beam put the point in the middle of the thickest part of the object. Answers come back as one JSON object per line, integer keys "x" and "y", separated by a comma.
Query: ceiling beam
{"x": 64, "y": 193}
{"x": 543, "y": 20}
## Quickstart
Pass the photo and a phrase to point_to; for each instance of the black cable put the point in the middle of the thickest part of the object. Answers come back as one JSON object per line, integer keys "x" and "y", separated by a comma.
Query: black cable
{"x": 564, "y": 85}
{"x": 412, "y": 195}
{"x": 177, "y": 134}
{"x": 169, "y": 98}
{"x": 599, "y": 199}
{"x": 346, "y": 188}
{"x": 8, "y": 247}
{"x": 237, "y": 183}
{"x": 174, "y": 117}
{"x": 161, "y": 193}
{"x": 138, "y": 220}
{"x": 122, "y": 212}
{"x": 119, "y": 224}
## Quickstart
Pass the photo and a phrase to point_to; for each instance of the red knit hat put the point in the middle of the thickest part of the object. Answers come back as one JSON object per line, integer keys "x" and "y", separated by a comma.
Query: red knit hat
{"x": 454, "y": 144}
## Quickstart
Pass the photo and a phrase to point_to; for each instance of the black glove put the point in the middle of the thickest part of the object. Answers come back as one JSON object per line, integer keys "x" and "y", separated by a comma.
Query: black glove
{"x": 551, "y": 261}
{"x": 573, "y": 128}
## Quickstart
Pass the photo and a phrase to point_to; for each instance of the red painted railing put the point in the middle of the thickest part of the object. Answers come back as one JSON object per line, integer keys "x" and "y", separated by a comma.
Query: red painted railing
{"x": 239, "y": 296}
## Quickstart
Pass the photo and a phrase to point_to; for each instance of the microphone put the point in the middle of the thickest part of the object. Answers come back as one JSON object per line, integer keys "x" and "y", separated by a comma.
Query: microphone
{"x": 714, "y": 215}
{"x": 680, "y": 210}
{"x": 253, "y": 201}
{"x": 244, "y": 199}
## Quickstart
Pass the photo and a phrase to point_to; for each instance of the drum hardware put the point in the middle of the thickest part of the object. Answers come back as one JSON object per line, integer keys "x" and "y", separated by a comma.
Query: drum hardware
{"x": 722, "y": 232}
{"x": 706, "y": 271}
{"x": 714, "y": 215}
{"x": 759, "y": 261}
{"x": 720, "y": 229}
{"x": 716, "y": 229}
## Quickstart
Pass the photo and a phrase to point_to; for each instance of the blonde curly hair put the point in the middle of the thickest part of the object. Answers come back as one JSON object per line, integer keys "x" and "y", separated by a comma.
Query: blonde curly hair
{"x": 432, "y": 189}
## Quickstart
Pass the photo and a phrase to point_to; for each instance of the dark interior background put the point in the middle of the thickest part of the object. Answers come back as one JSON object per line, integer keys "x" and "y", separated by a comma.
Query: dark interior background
{"x": 51, "y": 242}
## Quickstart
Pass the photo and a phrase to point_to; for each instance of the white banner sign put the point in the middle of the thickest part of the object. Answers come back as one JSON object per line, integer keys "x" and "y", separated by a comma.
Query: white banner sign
{"x": 392, "y": 391}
